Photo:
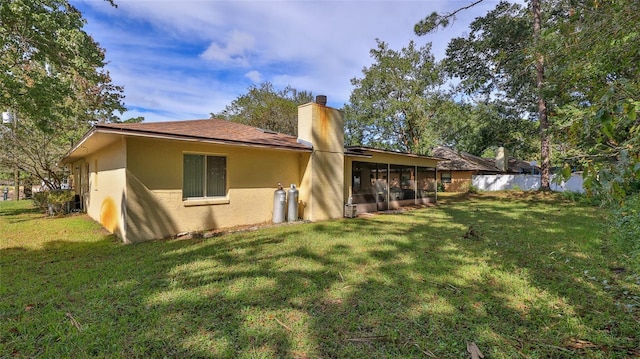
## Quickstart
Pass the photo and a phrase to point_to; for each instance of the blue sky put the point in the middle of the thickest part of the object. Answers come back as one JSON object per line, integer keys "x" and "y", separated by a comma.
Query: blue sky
{"x": 181, "y": 60}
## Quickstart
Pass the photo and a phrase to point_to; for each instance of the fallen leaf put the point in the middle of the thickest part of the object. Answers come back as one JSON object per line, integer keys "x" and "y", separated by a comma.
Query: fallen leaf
{"x": 473, "y": 349}
{"x": 580, "y": 344}
{"x": 74, "y": 321}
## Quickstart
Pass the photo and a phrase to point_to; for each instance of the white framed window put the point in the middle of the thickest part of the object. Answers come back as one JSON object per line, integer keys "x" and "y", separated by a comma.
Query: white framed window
{"x": 204, "y": 176}
{"x": 445, "y": 177}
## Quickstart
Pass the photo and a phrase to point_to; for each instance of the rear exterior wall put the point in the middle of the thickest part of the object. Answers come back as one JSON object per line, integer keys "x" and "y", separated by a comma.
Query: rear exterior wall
{"x": 460, "y": 180}
{"x": 155, "y": 204}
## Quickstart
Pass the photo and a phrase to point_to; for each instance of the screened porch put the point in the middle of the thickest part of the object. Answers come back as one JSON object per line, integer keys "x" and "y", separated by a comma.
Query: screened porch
{"x": 382, "y": 186}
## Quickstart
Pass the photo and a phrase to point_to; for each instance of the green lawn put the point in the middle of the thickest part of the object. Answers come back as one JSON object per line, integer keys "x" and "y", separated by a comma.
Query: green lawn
{"x": 536, "y": 278}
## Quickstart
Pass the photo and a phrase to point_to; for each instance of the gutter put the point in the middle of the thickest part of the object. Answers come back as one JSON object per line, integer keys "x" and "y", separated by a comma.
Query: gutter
{"x": 159, "y": 135}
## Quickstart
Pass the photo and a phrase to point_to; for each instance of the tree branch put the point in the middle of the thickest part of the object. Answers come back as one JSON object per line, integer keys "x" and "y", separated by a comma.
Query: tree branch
{"x": 463, "y": 8}
{"x": 435, "y": 20}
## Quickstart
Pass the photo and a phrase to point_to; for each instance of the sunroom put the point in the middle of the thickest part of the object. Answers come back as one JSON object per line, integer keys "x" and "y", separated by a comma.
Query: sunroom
{"x": 380, "y": 180}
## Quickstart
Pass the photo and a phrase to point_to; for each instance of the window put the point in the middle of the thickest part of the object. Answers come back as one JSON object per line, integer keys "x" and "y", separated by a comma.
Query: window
{"x": 204, "y": 176}
{"x": 445, "y": 177}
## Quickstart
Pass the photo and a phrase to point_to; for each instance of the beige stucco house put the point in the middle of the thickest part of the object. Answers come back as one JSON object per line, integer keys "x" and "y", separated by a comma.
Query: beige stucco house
{"x": 147, "y": 181}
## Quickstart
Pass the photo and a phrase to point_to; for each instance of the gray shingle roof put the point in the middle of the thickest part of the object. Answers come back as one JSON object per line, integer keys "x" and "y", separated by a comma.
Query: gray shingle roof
{"x": 462, "y": 161}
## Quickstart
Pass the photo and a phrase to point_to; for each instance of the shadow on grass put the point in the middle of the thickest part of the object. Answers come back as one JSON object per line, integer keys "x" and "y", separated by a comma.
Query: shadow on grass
{"x": 388, "y": 286}
{"x": 556, "y": 248}
{"x": 20, "y": 211}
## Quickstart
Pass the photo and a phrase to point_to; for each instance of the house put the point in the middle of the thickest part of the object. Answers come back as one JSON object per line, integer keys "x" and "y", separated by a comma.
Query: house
{"x": 458, "y": 168}
{"x": 146, "y": 181}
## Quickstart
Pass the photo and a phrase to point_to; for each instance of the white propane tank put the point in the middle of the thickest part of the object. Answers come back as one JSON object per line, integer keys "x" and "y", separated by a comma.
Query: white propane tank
{"x": 292, "y": 210}
{"x": 279, "y": 200}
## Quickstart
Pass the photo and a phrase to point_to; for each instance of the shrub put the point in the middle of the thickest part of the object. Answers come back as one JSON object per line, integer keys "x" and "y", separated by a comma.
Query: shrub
{"x": 53, "y": 201}
{"x": 625, "y": 222}
{"x": 581, "y": 198}
{"x": 441, "y": 187}
{"x": 40, "y": 199}
{"x": 473, "y": 189}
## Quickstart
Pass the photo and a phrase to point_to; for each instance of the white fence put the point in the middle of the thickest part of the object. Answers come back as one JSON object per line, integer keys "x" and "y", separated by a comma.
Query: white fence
{"x": 525, "y": 182}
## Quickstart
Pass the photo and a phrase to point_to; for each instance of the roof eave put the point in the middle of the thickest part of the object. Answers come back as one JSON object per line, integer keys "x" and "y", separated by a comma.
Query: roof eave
{"x": 350, "y": 151}
{"x": 151, "y": 134}
{"x": 78, "y": 145}
{"x": 190, "y": 138}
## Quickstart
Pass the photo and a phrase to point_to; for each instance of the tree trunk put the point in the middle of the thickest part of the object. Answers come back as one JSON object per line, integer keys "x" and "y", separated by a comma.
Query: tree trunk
{"x": 16, "y": 183}
{"x": 545, "y": 143}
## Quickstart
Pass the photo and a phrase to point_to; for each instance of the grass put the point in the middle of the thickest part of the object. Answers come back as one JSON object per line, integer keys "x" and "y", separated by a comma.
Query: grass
{"x": 535, "y": 276}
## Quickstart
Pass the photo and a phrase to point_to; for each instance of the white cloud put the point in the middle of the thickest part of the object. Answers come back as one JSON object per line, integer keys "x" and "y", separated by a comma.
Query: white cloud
{"x": 254, "y": 76}
{"x": 185, "y": 59}
{"x": 236, "y": 49}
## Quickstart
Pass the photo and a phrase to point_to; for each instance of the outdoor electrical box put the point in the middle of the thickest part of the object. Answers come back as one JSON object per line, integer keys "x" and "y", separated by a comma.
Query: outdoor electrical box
{"x": 350, "y": 210}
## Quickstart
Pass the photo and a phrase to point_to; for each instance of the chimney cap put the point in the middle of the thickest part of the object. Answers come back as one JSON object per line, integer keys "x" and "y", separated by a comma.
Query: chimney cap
{"x": 321, "y": 100}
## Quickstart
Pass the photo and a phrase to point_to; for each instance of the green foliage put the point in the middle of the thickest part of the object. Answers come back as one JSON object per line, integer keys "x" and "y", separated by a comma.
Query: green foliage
{"x": 578, "y": 69}
{"x": 501, "y": 61}
{"x": 435, "y": 20}
{"x": 625, "y": 224}
{"x": 473, "y": 189}
{"x": 52, "y": 201}
{"x": 395, "y": 105}
{"x": 483, "y": 127}
{"x": 440, "y": 187}
{"x": 52, "y": 80}
{"x": 40, "y": 199}
{"x": 267, "y": 108}
{"x": 613, "y": 180}
{"x": 599, "y": 122}
{"x": 50, "y": 68}
{"x": 430, "y": 23}
{"x": 492, "y": 59}
{"x": 399, "y": 104}
{"x": 576, "y": 197}
{"x": 138, "y": 119}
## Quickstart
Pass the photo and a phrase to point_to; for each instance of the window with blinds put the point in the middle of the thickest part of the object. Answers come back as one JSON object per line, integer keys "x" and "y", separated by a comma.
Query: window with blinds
{"x": 204, "y": 176}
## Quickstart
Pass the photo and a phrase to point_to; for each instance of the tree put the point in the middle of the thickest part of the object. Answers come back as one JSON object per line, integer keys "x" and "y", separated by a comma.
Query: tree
{"x": 133, "y": 120}
{"x": 435, "y": 20}
{"x": 50, "y": 67}
{"x": 395, "y": 104}
{"x": 267, "y": 108}
{"x": 545, "y": 141}
{"x": 52, "y": 80}
{"x": 484, "y": 126}
{"x": 576, "y": 68}
{"x": 599, "y": 45}
{"x": 502, "y": 58}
